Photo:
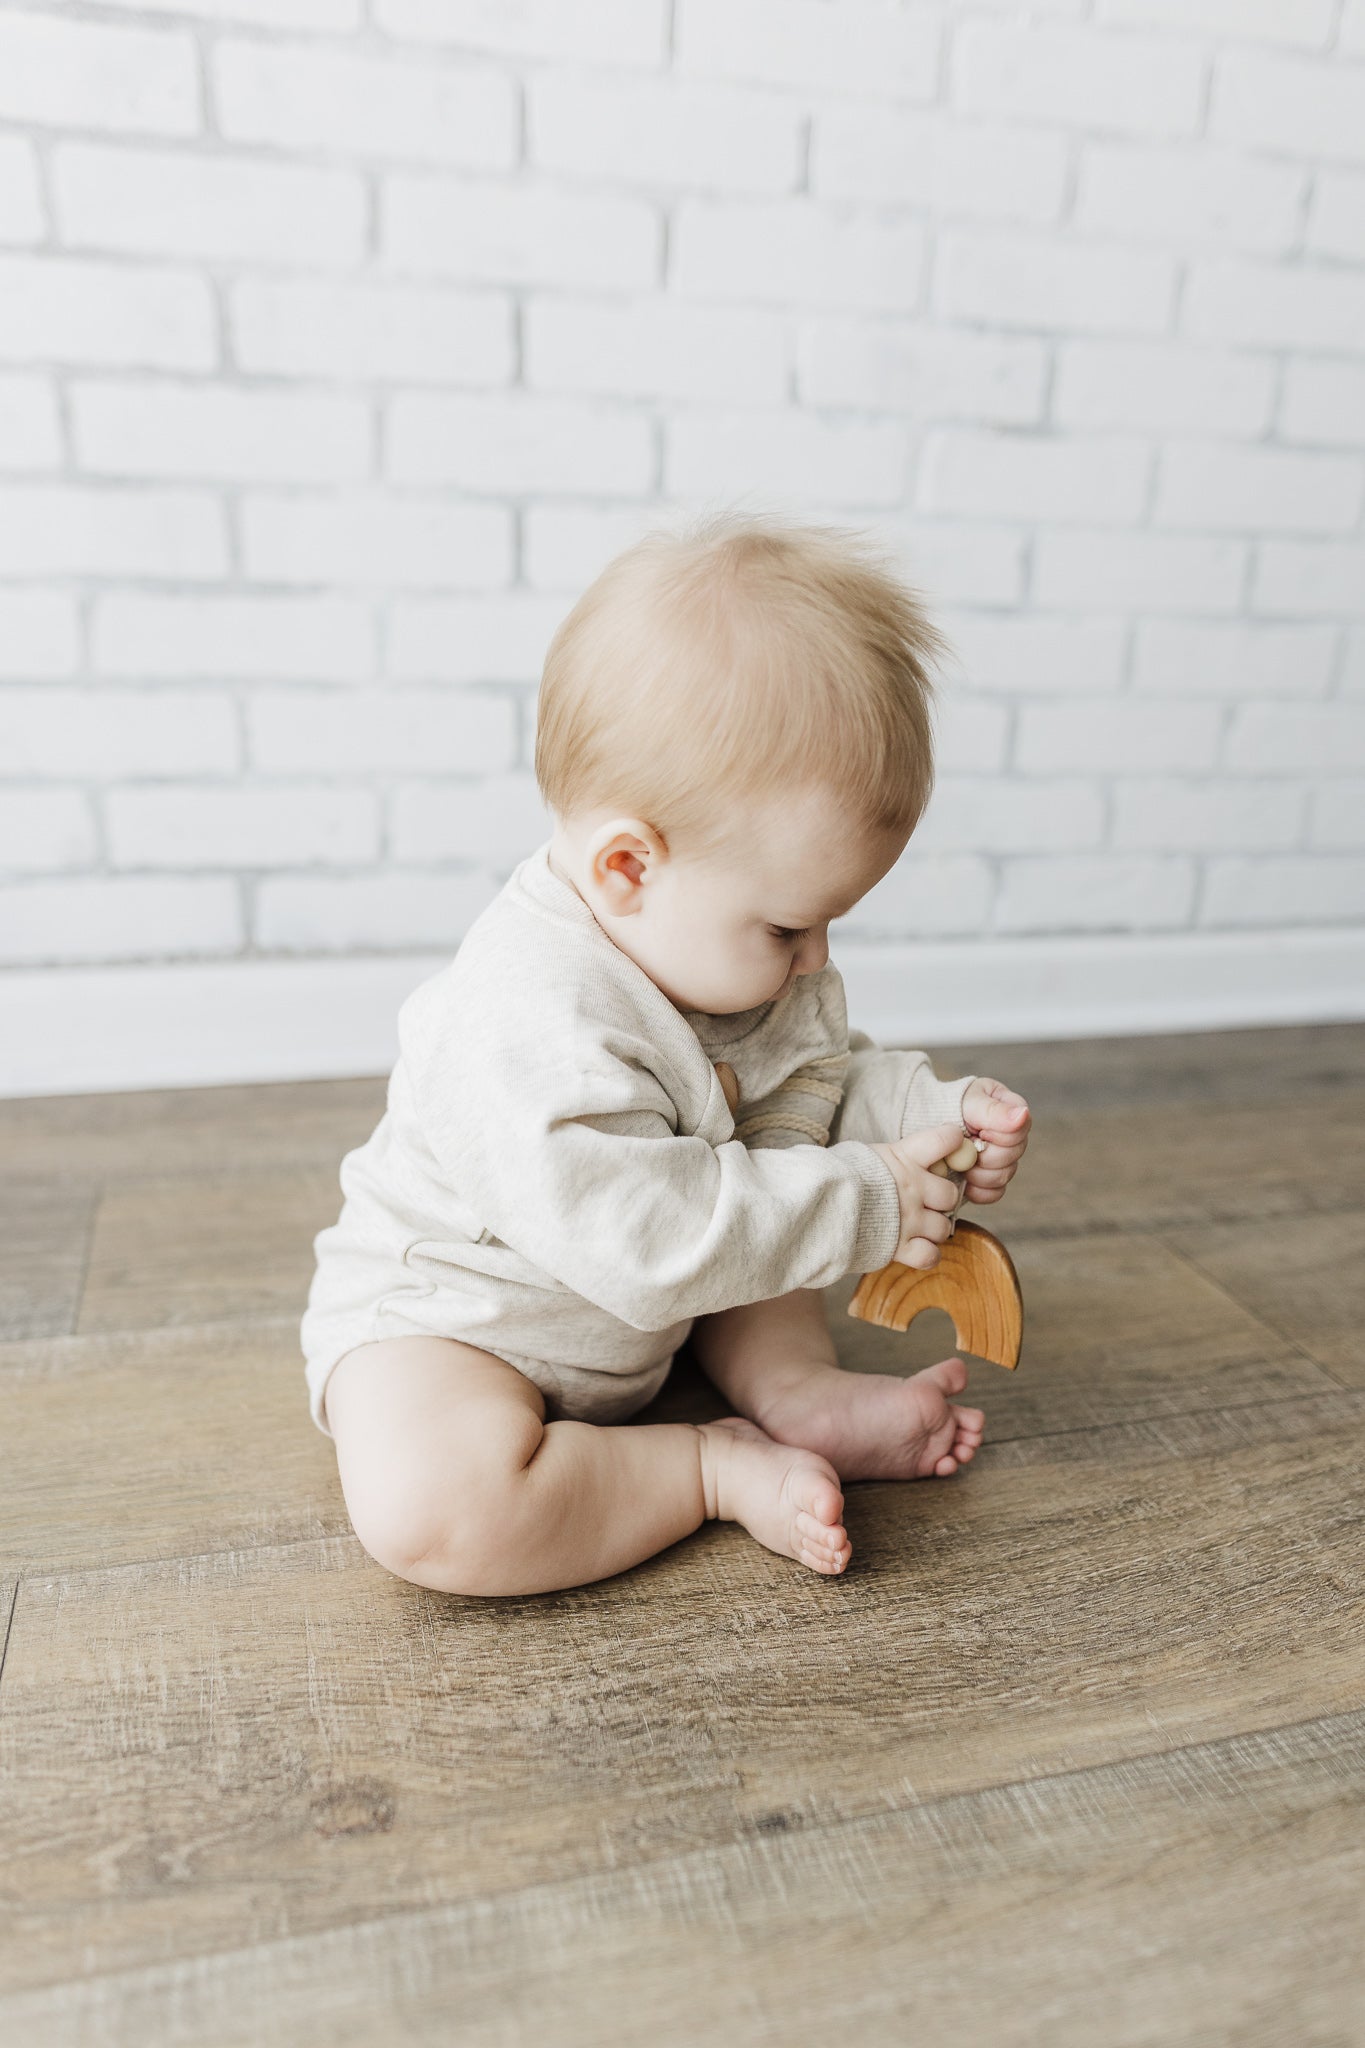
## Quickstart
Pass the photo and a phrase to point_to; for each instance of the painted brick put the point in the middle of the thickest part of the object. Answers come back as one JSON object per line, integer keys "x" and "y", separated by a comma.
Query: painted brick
{"x": 82, "y": 74}
{"x": 955, "y": 169}
{"x": 1205, "y": 658}
{"x": 57, "y": 731}
{"x": 796, "y": 253}
{"x": 1075, "y": 76}
{"x": 1016, "y": 476}
{"x": 1336, "y": 224}
{"x": 1257, "y": 305}
{"x": 411, "y": 732}
{"x": 1114, "y": 735}
{"x": 327, "y": 16}
{"x": 1031, "y": 281}
{"x": 213, "y": 209}
{"x": 1353, "y": 667}
{"x": 21, "y": 202}
{"x": 518, "y": 234}
{"x": 1338, "y": 815}
{"x": 1022, "y": 654}
{"x": 1258, "y": 489}
{"x": 972, "y": 733}
{"x": 1095, "y": 892}
{"x": 1305, "y": 23}
{"x": 584, "y": 31}
{"x": 39, "y": 633}
{"x": 43, "y": 830}
{"x": 296, "y": 639}
{"x": 1324, "y": 402}
{"x": 296, "y": 96}
{"x": 565, "y": 546}
{"x": 198, "y": 826}
{"x": 806, "y": 43}
{"x": 1162, "y": 388}
{"x": 1308, "y": 109}
{"x": 1190, "y": 197}
{"x": 376, "y": 913}
{"x": 1298, "y": 739}
{"x": 176, "y": 430}
{"x": 118, "y": 315}
{"x": 496, "y": 822}
{"x": 420, "y": 334}
{"x": 935, "y": 373}
{"x": 514, "y": 444}
{"x": 1146, "y": 571}
{"x": 1306, "y": 579}
{"x": 843, "y": 462}
{"x": 30, "y": 428}
{"x": 1302, "y": 889}
{"x": 71, "y": 530}
{"x": 118, "y": 917}
{"x": 670, "y": 132}
{"x": 1007, "y": 814}
{"x": 925, "y": 895}
{"x": 655, "y": 348}
{"x": 1160, "y": 814}
{"x": 501, "y": 638}
{"x": 968, "y": 564}
{"x": 370, "y": 538}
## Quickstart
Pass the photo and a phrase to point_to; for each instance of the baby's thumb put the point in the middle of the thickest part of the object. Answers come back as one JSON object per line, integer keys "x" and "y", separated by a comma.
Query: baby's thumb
{"x": 927, "y": 1148}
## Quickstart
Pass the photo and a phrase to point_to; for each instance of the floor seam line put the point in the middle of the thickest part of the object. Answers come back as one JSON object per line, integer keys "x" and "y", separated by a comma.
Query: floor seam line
{"x": 9, "y": 1624}
{"x": 477, "y": 1900}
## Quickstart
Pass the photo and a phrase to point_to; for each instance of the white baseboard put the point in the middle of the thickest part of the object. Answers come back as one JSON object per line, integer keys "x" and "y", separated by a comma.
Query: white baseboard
{"x": 86, "y": 1029}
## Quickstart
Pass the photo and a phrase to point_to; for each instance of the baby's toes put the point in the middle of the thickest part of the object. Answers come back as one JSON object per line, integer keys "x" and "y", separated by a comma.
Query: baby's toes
{"x": 823, "y": 1548}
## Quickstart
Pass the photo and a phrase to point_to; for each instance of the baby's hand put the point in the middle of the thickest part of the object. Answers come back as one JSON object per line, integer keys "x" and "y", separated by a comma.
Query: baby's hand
{"x": 927, "y": 1200}
{"x": 999, "y": 1116}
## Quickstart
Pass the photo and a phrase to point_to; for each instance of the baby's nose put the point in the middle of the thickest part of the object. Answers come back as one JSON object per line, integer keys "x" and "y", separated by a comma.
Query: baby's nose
{"x": 813, "y": 954}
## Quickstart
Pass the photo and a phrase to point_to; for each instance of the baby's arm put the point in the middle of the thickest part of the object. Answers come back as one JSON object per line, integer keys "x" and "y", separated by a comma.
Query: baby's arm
{"x": 577, "y": 1163}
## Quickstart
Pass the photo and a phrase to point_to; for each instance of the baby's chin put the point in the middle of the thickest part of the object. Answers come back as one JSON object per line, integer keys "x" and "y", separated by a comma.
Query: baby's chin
{"x": 734, "y": 1003}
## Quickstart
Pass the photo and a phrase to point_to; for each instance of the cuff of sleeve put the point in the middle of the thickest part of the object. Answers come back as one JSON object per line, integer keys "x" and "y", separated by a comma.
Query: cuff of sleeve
{"x": 879, "y": 1222}
{"x": 934, "y": 1102}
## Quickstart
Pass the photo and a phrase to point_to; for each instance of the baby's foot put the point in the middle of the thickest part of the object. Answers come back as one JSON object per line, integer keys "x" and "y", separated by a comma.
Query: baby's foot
{"x": 787, "y": 1497}
{"x": 872, "y": 1426}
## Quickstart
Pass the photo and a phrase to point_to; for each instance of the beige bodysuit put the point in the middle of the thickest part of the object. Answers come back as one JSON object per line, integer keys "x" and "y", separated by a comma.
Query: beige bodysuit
{"x": 558, "y": 1177}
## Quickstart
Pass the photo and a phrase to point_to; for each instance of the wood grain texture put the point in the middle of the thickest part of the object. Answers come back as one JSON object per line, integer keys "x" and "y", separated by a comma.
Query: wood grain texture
{"x": 1184, "y": 1582}
{"x": 1207, "y": 1894}
{"x": 974, "y": 1283}
{"x": 45, "y": 1226}
{"x": 1073, "y": 1754}
{"x": 240, "y": 1245}
{"x": 1182, "y": 1165}
{"x": 159, "y": 1443}
{"x": 188, "y": 1131}
{"x": 1304, "y": 1276}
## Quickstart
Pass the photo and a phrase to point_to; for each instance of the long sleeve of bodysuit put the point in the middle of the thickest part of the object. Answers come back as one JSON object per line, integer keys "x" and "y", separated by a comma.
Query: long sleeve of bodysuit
{"x": 570, "y": 1152}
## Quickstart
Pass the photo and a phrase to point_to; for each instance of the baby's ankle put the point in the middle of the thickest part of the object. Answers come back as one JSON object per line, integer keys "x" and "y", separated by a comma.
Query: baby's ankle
{"x": 711, "y": 1450}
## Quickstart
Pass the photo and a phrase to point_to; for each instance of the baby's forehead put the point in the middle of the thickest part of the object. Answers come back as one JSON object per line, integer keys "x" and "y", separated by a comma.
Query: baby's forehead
{"x": 798, "y": 869}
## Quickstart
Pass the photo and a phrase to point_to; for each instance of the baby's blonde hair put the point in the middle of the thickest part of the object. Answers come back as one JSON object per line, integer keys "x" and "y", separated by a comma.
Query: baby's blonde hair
{"x": 743, "y": 658}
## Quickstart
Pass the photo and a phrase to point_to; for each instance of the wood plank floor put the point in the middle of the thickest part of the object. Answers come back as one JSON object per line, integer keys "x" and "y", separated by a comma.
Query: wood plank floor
{"x": 1074, "y": 1754}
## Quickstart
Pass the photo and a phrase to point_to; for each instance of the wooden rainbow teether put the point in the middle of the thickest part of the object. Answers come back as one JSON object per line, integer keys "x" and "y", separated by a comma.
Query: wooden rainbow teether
{"x": 974, "y": 1281}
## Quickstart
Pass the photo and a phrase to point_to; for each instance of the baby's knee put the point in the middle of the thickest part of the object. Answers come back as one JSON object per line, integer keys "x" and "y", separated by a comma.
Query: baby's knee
{"x": 448, "y": 1522}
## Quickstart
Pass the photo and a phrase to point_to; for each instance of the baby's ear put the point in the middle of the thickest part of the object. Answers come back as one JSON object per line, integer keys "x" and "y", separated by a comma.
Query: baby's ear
{"x": 620, "y": 854}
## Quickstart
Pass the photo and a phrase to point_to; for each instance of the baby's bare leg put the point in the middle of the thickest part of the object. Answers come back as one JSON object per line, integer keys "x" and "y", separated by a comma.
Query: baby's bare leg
{"x": 454, "y": 1479}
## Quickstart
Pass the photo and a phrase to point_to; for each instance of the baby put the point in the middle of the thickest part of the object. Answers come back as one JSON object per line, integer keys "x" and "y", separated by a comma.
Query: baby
{"x": 631, "y": 1107}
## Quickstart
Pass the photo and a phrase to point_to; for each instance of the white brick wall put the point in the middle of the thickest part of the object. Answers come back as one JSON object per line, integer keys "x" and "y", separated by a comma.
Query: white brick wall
{"x": 342, "y": 341}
